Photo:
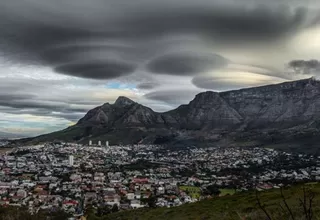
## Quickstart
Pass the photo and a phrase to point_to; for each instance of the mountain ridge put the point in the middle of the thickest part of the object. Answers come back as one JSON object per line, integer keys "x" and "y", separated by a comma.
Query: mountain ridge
{"x": 250, "y": 112}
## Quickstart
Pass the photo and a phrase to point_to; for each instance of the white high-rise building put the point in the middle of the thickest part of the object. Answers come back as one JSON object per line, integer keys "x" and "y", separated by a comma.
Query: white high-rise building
{"x": 107, "y": 143}
{"x": 99, "y": 143}
{"x": 71, "y": 160}
{"x": 90, "y": 142}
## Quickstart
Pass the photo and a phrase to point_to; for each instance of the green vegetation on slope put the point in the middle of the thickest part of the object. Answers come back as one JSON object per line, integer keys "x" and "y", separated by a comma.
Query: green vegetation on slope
{"x": 192, "y": 191}
{"x": 18, "y": 213}
{"x": 238, "y": 206}
{"x": 225, "y": 192}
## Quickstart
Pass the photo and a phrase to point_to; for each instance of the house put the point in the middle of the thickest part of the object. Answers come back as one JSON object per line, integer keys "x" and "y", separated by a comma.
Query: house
{"x": 22, "y": 193}
{"x": 161, "y": 190}
{"x": 135, "y": 204}
{"x": 112, "y": 198}
{"x": 4, "y": 202}
{"x": 43, "y": 195}
{"x": 130, "y": 196}
{"x": 75, "y": 178}
{"x": 89, "y": 197}
{"x": 140, "y": 180}
{"x": 137, "y": 195}
{"x": 67, "y": 204}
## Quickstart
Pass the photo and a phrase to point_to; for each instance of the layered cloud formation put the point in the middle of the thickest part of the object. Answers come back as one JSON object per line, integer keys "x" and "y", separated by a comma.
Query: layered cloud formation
{"x": 58, "y": 59}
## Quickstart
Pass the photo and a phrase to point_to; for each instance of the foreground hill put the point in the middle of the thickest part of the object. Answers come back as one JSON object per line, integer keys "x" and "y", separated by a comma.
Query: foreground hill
{"x": 235, "y": 207}
{"x": 285, "y": 114}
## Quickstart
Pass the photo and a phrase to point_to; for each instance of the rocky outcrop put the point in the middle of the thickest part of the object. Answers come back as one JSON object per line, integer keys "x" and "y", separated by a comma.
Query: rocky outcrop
{"x": 268, "y": 106}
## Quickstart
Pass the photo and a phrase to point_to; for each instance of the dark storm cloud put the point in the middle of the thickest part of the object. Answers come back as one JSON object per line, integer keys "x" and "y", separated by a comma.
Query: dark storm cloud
{"x": 223, "y": 23}
{"x": 96, "y": 70}
{"x": 186, "y": 63}
{"x": 75, "y": 31}
{"x": 173, "y": 96}
{"x": 57, "y": 47}
{"x": 305, "y": 66}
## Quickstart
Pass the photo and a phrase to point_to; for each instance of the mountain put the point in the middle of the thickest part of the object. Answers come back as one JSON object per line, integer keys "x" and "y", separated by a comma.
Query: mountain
{"x": 280, "y": 114}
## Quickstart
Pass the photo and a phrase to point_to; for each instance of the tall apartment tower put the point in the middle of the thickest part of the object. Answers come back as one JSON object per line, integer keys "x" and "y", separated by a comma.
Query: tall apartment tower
{"x": 71, "y": 160}
{"x": 90, "y": 142}
{"x": 107, "y": 143}
{"x": 99, "y": 143}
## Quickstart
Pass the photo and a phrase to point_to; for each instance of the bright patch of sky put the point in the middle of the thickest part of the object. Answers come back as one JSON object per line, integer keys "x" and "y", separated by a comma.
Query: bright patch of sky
{"x": 120, "y": 85}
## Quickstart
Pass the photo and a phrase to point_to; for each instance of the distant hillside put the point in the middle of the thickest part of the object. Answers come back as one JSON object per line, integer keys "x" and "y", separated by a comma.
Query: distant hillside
{"x": 5, "y": 135}
{"x": 285, "y": 115}
{"x": 236, "y": 207}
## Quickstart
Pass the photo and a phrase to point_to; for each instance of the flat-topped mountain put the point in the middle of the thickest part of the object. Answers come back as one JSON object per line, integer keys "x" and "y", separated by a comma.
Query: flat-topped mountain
{"x": 245, "y": 115}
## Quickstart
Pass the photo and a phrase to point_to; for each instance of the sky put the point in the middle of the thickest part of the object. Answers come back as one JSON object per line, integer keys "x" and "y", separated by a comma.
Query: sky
{"x": 59, "y": 59}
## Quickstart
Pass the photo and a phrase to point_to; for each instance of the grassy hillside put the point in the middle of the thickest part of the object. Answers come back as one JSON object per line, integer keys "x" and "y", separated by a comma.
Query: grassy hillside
{"x": 237, "y": 206}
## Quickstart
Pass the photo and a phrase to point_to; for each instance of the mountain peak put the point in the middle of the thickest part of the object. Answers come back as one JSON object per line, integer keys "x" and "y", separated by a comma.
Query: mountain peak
{"x": 123, "y": 101}
{"x": 206, "y": 97}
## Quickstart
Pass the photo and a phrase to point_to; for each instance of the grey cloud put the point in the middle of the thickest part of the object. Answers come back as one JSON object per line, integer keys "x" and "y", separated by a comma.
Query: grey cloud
{"x": 10, "y": 97}
{"x": 41, "y": 108}
{"x": 225, "y": 83}
{"x": 148, "y": 85}
{"x": 55, "y": 35}
{"x": 186, "y": 63}
{"x": 228, "y": 78}
{"x": 173, "y": 97}
{"x": 57, "y": 47}
{"x": 224, "y": 22}
{"x": 71, "y": 116}
{"x": 43, "y": 98}
{"x": 305, "y": 66}
{"x": 29, "y": 103}
{"x": 96, "y": 70}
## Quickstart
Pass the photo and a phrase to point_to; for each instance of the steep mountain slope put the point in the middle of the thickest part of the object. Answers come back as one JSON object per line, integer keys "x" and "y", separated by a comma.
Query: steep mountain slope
{"x": 269, "y": 114}
{"x": 207, "y": 111}
{"x": 292, "y": 102}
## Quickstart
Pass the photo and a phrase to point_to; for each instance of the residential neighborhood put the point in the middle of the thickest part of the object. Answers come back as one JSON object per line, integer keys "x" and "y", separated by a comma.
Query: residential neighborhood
{"x": 72, "y": 177}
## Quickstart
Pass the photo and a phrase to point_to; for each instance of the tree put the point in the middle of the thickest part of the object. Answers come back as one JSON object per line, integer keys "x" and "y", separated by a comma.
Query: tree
{"x": 306, "y": 203}
{"x": 212, "y": 190}
{"x": 197, "y": 184}
{"x": 115, "y": 208}
{"x": 152, "y": 200}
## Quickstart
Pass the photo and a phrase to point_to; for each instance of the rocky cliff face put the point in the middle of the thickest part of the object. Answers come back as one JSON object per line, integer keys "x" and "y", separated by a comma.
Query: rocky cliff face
{"x": 209, "y": 114}
{"x": 286, "y": 103}
{"x": 207, "y": 111}
{"x": 123, "y": 113}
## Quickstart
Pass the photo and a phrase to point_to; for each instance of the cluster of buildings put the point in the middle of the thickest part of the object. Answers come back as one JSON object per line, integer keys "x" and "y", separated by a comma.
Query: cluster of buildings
{"x": 3, "y": 143}
{"x": 71, "y": 177}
